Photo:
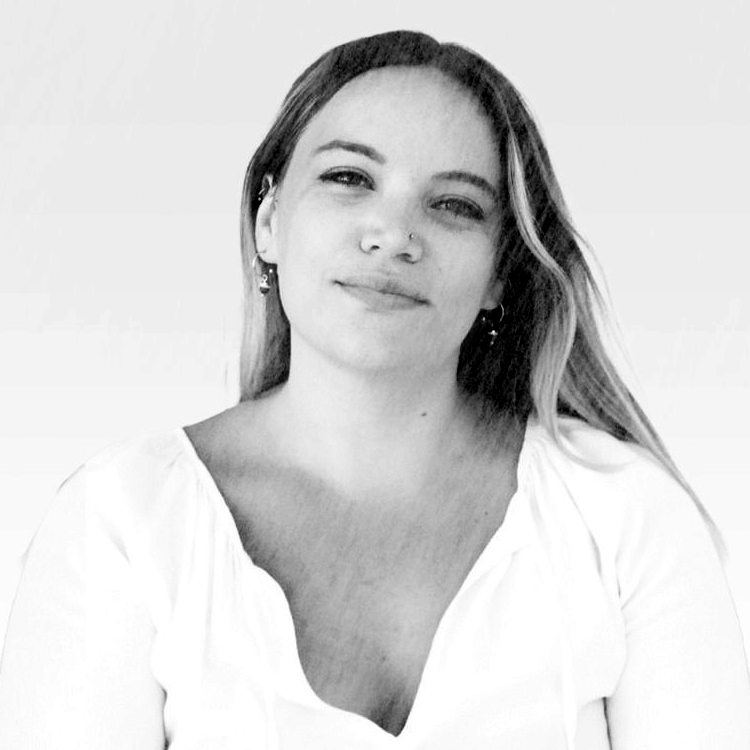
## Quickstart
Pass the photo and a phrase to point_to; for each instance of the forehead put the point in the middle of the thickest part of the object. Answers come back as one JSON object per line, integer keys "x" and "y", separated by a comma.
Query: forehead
{"x": 406, "y": 112}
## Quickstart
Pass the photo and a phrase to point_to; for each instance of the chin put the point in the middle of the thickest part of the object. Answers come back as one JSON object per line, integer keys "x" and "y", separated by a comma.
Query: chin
{"x": 376, "y": 358}
{"x": 357, "y": 351}
{"x": 372, "y": 345}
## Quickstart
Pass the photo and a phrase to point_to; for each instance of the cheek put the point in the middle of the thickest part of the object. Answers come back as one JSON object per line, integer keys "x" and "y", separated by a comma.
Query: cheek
{"x": 310, "y": 235}
{"x": 465, "y": 277}
{"x": 461, "y": 303}
{"x": 308, "y": 244}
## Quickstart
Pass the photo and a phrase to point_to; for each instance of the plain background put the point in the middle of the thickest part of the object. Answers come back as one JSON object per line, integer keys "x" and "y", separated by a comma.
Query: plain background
{"x": 125, "y": 129}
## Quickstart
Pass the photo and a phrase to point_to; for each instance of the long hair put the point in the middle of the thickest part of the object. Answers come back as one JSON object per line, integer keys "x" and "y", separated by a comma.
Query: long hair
{"x": 549, "y": 359}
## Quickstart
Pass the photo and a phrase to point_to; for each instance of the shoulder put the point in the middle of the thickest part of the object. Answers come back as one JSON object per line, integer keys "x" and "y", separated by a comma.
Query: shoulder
{"x": 601, "y": 466}
{"x": 138, "y": 465}
{"x": 152, "y": 452}
{"x": 627, "y": 498}
{"x": 614, "y": 514}
{"x": 132, "y": 489}
{"x": 119, "y": 507}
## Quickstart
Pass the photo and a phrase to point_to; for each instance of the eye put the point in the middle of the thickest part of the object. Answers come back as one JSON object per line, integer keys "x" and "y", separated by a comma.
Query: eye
{"x": 347, "y": 177}
{"x": 461, "y": 207}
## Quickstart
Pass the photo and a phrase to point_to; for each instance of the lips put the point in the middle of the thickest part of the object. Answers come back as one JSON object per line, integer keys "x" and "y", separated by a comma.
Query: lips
{"x": 384, "y": 285}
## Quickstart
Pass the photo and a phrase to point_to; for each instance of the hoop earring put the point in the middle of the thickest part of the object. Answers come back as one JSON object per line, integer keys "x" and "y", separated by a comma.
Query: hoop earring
{"x": 264, "y": 285}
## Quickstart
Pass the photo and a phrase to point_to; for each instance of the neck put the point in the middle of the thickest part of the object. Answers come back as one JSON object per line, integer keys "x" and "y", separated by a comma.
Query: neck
{"x": 369, "y": 432}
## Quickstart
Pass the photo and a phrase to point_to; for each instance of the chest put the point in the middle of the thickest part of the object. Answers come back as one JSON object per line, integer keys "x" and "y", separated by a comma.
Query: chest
{"x": 367, "y": 584}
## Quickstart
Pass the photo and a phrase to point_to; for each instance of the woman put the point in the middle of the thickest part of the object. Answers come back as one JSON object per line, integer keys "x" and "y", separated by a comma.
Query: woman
{"x": 436, "y": 517}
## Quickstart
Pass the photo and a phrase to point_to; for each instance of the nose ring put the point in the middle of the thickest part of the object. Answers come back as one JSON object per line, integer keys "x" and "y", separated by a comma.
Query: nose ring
{"x": 411, "y": 236}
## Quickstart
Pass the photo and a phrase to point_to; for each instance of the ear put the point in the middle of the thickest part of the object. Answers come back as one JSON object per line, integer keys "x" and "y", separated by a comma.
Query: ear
{"x": 493, "y": 294}
{"x": 265, "y": 227}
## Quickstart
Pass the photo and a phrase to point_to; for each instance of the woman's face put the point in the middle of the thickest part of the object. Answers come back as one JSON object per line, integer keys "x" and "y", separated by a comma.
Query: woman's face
{"x": 396, "y": 151}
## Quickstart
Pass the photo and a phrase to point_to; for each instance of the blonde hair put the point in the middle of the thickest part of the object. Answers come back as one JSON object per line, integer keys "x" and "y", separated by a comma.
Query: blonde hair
{"x": 550, "y": 358}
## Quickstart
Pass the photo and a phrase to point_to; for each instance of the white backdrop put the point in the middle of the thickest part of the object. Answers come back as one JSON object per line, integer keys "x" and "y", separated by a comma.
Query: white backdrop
{"x": 125, "y": 129}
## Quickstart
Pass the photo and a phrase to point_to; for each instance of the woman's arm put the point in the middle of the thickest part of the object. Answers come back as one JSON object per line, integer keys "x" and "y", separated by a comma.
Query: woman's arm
{"x": 75, "y": 666}
{"x": 685, "y": 685}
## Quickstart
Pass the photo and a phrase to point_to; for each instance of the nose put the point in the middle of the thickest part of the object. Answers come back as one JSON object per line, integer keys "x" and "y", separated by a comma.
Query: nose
{"x": 391, "y": 235}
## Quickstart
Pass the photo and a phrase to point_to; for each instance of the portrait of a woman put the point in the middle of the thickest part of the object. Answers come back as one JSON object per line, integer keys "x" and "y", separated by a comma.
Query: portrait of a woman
{"x": 436, "y": 519}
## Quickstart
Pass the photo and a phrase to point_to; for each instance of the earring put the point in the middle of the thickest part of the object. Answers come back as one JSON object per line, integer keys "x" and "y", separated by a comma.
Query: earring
{"x": 493, "y": 333}
{"x": 264, "y": 285}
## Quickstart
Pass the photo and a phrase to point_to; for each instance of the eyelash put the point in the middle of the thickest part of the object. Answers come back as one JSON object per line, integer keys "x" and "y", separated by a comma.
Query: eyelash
{"x": 353, "y": 178}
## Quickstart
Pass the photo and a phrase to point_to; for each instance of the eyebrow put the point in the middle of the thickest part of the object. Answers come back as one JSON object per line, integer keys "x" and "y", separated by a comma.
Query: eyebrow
{"x": 357, "y": 148}
{"x": 371, "y": 153}
{"x": 471, "y": 178}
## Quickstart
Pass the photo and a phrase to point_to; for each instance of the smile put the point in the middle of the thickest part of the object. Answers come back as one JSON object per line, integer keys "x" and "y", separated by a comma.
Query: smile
{"x": 378, "y": 299}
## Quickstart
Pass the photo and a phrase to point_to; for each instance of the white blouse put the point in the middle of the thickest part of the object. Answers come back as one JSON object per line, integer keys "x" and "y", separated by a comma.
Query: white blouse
{"x": 597, "y": 616}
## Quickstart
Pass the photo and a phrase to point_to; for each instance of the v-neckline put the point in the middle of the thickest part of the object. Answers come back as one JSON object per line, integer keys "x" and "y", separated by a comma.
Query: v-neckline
{"x": 503, "y": 532}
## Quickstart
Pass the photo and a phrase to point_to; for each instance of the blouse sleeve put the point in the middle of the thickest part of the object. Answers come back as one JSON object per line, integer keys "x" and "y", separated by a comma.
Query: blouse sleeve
{"x": 685, "y": 685}
{"x": 75, "y": 666}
